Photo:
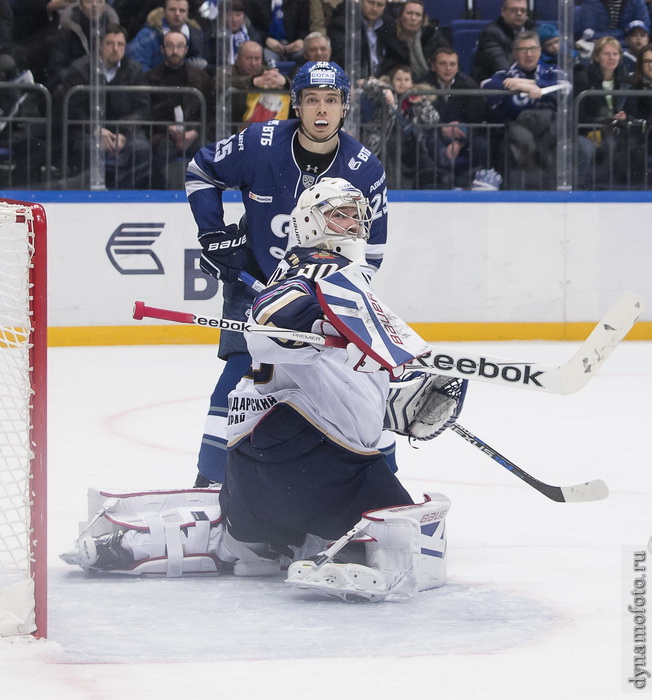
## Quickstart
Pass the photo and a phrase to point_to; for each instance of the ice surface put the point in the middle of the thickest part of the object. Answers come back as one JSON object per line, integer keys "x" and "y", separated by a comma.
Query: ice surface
{"x": 534, "y": 604}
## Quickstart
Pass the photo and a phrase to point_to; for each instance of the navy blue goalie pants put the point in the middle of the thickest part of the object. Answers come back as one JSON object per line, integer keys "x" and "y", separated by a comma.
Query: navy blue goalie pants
{"x": 286, "y": 479}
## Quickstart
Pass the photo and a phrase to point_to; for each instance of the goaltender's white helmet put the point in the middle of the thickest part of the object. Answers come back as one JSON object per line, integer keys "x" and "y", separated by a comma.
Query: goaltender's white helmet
{"x": 328, "y": 214}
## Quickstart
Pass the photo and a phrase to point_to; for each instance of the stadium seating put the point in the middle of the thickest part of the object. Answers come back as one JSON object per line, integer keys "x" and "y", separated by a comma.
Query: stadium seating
{"x": 464, "y": 37}
{"x": 445, "y": 11}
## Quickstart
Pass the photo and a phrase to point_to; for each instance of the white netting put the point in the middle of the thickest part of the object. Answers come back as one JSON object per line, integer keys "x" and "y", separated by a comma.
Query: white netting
{"x": 16, "y": 254}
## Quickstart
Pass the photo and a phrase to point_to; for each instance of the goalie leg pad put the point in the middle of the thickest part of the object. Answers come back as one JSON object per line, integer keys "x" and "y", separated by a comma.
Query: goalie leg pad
{"x": 405, "y": 550}
{"x": 409, "y": 545}
{"x": 154, "y": 532}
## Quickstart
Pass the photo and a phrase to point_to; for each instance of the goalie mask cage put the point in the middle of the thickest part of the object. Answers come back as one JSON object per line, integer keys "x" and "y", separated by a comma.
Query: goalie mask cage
{"x": 23, "y": 348}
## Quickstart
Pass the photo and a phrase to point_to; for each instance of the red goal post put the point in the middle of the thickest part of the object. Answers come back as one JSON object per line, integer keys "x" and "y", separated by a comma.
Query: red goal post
{"x": 23, "y": 419}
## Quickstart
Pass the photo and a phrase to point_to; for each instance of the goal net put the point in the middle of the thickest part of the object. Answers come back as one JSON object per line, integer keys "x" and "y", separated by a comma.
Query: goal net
{"x": 23, "y": 333}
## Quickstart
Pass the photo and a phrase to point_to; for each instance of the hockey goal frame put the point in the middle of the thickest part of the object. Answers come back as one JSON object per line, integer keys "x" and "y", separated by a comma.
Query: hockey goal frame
{"x": 37, "y": 358}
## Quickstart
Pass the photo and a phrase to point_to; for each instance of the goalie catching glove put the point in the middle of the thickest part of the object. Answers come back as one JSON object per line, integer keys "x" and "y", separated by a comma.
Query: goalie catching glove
{"x": 224, "y": 252}
{"x": 422, "y": 406}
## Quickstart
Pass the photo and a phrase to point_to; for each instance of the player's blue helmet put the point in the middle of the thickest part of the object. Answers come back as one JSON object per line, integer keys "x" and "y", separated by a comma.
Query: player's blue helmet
{"x": 321, "y": 74}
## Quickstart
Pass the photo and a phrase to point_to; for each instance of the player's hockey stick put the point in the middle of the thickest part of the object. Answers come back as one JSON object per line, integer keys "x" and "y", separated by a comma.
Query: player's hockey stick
{"x": 590, "y": 491}
{"x": 141, "y": 310}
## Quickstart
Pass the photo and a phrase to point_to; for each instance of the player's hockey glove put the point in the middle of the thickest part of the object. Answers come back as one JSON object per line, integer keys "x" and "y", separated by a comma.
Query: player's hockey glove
{"x": 224, "y": 253}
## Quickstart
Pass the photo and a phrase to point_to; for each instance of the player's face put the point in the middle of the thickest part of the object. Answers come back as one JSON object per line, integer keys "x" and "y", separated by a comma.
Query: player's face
{"x": 113, "y": 49}
{"x": 320, "y": 111}
{"x": 343, "y": 220}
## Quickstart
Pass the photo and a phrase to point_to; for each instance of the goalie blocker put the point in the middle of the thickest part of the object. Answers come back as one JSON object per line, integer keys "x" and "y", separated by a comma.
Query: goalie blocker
{"x": 175, "y": 533}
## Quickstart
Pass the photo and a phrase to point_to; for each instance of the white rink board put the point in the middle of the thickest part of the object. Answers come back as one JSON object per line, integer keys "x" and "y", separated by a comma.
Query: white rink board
{"x": 446, "y": 262}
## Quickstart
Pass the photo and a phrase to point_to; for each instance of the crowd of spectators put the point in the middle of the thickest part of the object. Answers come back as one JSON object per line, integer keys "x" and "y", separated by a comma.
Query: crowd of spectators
{"x": 428, "y": 120}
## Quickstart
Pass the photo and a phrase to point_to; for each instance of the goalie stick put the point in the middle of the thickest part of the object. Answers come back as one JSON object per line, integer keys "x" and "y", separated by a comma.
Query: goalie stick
{"x": 355, "y": 311}
{"x": 594, "y": 490}
{"x": 562, "y": 379}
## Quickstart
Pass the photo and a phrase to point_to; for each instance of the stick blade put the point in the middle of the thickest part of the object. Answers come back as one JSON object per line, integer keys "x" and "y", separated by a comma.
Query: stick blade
{"x": 611, "y": 329}
{"x": 595, "y": 490}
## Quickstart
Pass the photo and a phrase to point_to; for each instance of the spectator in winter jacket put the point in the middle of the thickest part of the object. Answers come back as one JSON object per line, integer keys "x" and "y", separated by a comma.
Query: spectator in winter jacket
{"x": 412, "y": 40}
{"x": 284, "y": 24}
{"x": 610, "y": 17}
{"x": 637, "y": 36}
{"x": 529, "y": 117}
{"x": 373, "y": 43}
{"x": 495, "y": 41}
{"x": 73, "y": 37}
{"x": 174, "y": 144}
{"x": 173, "y": 16}
{"x": 126, "y": 149}
{"x": 445, "y": 75}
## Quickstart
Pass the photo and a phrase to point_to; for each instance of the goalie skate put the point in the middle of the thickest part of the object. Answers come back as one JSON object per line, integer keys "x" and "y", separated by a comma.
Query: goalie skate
{"x": 103, "y": 553}
{"x": 352, "y": 583}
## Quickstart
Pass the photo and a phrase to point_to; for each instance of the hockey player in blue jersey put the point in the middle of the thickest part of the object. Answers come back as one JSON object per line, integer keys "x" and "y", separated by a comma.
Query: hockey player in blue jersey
{"x": 272, "y": 163}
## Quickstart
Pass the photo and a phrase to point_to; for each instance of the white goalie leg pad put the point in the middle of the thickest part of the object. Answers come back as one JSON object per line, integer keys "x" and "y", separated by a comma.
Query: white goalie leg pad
{"x": 405, "y": 549}
{"x": 408, "y": 545}
{"x": 248, "y": 558}
{"x": 154, "y": 532}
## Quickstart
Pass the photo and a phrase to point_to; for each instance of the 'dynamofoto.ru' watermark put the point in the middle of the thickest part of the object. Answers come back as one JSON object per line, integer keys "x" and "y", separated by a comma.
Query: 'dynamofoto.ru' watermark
{"x": 636, "y": 676}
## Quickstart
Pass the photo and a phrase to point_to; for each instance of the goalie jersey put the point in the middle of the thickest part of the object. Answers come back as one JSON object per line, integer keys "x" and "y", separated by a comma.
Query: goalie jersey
{"x": 251, "y": 162}
{"x": 348, "y": 407}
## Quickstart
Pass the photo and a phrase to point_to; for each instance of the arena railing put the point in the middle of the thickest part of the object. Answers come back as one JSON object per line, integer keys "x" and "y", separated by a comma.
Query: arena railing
{"x": 429, "y": 168}
{"x": 622, "y": 149}
{"x": 140, "y": 175}
{"x": 25, "y": 136}
{"x": 35, "y": 155}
